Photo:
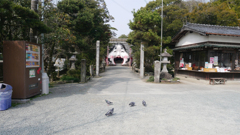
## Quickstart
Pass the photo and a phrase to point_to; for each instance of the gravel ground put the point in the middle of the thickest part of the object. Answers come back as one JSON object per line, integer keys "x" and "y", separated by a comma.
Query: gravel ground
{"x": 191, "y": 107}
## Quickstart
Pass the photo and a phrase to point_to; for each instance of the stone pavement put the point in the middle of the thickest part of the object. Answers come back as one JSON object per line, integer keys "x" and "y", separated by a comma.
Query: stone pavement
{"x": 191, "y": 107}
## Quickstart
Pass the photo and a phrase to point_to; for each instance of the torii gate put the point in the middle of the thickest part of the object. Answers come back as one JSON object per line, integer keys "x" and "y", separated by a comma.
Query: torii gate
{"x": 119, "y": 41}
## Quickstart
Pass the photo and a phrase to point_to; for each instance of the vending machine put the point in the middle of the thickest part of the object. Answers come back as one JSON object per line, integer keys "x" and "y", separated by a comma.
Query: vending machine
{"x": 22, "y": 68}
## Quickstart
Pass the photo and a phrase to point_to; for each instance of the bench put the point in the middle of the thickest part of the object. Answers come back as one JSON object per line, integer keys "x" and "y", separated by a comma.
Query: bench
{"x": 217, "y": 81}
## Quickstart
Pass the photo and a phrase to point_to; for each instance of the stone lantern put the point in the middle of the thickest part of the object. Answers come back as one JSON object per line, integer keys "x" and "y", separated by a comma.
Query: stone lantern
{"x": 73, "y": 59}
{"x": 164, "y": 73}
{"x": 103, "y": 64}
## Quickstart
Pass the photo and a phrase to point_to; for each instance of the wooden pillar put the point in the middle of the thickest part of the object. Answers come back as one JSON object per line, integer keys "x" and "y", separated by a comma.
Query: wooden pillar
{"x": 177, "y": 62}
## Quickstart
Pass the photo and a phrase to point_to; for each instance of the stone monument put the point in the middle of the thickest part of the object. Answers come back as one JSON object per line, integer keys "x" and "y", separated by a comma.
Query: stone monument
{"x": 83, "y": 70}
{"x": 156, "y": 71}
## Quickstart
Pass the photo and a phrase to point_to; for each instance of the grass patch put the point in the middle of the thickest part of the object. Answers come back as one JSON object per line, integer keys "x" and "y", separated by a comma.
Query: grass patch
{"x": 15, "y": 104}
{"x": 69, "y": 78}
{"x": 151, "y": 79}
{"x": 164, "y": 79}
{"x": 41, "y": 95}
{"x": 175, "y": 79}
{"x": 51, "y": 84}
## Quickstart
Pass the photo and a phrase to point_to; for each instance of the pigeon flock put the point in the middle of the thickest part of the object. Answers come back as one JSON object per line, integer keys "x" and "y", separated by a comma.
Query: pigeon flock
{"x": 131, "y": 104}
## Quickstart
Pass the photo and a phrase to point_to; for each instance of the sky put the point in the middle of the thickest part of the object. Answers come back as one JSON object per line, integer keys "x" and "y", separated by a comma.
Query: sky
{"x": 121, "y": 10}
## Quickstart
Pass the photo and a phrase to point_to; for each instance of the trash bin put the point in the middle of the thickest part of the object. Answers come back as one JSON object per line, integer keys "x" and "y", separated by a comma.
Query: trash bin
{"x": 5, "y": 96}
{"x": 45, "y": 83}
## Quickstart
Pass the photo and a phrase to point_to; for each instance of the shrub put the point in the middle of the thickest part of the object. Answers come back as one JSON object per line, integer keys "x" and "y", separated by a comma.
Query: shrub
{"x": 74, "y": 73}
{"x": 151, "y": 79}
{"x": 69, "y": 78}
{"x": 164, "y": 79}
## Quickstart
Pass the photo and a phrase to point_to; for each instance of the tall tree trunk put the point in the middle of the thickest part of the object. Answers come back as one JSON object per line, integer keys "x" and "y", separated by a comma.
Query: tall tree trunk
{"x": 50, "y": 72}
{"x": 34, "y": 5}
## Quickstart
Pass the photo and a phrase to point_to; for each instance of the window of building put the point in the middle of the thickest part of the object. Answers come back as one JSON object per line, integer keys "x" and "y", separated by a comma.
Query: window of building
{"x": 196, "y": 58}
{"x": 225, "y": 58}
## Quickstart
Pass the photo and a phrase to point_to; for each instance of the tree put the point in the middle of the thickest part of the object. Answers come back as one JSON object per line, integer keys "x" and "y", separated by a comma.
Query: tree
{"x": 60, "y": 41}
{"x": 16, "y": 21}
{"x": 214, "y": 13}
{"x": 88, "y": 22}
{"x": 146, "y": 27}
{"x": 123, "y": 36}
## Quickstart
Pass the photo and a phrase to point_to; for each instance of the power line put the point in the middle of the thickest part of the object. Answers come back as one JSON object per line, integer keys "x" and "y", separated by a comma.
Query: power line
{"x": 121, "y": 6}
{"x": 145, "y": 1}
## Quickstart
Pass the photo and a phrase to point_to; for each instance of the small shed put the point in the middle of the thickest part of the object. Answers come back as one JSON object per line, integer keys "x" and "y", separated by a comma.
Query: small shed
{"x": 205, "y": 51}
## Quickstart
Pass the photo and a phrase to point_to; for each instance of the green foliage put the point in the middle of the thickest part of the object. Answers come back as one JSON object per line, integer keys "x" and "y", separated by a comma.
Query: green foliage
{"x": 164, "y": 79}
{"x": 15, "y": 104}
{"x": 123, "y": 36}
{"x": 51, "y": 84}
{"x": 74, "y": 73}
{"x": 151, "y": 54}
{"x": 87, "y": 22}
{"x": 68, "y": 78}
{"x": 175, "y": 79}
{"x": 16, "y": 21}
{"x": 214, "y": 13}
{"x": 151, "y": 79}
{"x": 145, "y": 26}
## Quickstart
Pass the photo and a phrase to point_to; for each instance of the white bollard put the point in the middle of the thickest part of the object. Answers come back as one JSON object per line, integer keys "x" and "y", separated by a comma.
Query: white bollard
{"x": 45, "y": 83}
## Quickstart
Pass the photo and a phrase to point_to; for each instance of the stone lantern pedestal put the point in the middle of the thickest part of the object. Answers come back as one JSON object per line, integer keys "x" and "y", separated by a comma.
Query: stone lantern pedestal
{"x": 103, "y": 64}
{"x": 164, "y": 73}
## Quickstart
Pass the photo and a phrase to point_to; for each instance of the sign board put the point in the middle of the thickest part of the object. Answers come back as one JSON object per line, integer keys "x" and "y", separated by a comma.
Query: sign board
{"x": 32, "y": 73}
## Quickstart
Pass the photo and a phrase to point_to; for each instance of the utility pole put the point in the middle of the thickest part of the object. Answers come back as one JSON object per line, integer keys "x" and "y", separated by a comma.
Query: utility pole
{"x": 45, "y": 78}
{"x": 34, "y": 7}
{"x": 161, "y": 37}
{"x": 42, "y": 35}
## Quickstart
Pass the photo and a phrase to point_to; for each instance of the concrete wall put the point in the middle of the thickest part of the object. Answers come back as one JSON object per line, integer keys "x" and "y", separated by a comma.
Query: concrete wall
{"x": 192, "y": 38}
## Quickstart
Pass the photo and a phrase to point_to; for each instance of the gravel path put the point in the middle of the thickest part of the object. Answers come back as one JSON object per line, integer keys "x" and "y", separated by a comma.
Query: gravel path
{"x": 191, "y": 107}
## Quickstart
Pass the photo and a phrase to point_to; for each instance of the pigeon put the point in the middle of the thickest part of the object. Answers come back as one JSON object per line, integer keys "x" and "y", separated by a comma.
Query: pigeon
{"x": 132, "y": 104}
{"x": 108, "y": 102}
{"x": 110, "y": 112}
{"x": 144, "y": 103}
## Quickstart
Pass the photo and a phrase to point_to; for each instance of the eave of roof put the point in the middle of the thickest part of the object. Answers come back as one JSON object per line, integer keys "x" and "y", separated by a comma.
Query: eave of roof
{"x": 206, "y": 45}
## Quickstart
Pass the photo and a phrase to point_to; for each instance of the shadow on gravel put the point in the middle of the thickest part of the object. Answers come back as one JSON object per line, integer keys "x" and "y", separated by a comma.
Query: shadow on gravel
{"x": 109, "y": 78}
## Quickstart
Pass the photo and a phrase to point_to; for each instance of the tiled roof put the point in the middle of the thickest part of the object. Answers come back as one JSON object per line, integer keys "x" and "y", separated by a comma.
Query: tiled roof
{"x": 206, "y": 29}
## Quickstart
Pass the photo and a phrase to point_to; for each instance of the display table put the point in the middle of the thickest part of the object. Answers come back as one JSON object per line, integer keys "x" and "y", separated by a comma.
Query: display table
{"x": 232, "y": 75}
